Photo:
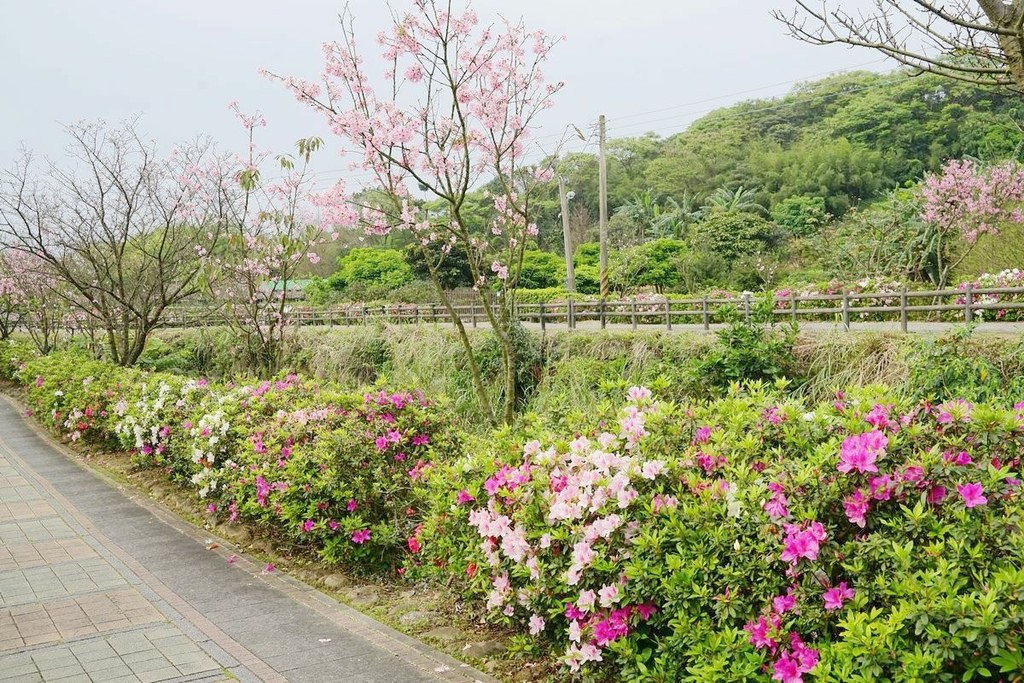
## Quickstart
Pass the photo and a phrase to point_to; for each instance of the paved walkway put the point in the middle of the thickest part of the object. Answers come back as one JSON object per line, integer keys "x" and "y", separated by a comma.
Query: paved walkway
{"x": 99, "y": 587}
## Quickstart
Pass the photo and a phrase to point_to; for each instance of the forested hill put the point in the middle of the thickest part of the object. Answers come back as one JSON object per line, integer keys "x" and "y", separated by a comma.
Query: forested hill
{"x": 844, "y": 139}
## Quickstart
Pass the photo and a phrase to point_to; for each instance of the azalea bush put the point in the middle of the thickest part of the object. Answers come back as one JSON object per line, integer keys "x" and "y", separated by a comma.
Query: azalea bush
{"x": 1009, "y": 278}
{"x": 336, "y": 472}
{"x": 751, "y": 538}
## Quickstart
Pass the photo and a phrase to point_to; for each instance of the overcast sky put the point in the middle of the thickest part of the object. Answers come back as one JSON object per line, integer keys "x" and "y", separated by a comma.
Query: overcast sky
{"x": 179, "y": 62}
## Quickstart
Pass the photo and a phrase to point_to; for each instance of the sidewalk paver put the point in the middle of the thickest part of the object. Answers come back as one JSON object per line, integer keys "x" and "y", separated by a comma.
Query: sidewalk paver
{"x": 98, "y": 587}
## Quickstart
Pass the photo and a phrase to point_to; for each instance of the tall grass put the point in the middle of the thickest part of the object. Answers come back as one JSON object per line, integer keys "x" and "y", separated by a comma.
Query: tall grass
{"x": 575, "y": 373}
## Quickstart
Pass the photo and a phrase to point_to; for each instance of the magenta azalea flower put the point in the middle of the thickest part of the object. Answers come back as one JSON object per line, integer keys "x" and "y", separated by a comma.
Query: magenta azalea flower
{"x": 361, "y": 536}
{"x": 859, "y": 452}
{"x": 836, "y": 596}
{"x": 972, "y": 495}
{"x": 802, "y": 542}
{"x": 308, "y": 526}
{"x": 856, "y": 507}
{"x": 464, "y": 497}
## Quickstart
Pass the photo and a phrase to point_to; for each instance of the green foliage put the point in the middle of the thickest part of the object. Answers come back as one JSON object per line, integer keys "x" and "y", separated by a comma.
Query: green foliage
{"x": 885, "y": 239}
{"x": 588, "y": 279}
{"x": 948, "y": 368}
{"x": 837, "y": 169}
{"x": 541, "y": 270}
{"x": 452, "y": 268}
{"x": 652, "y": 264}
{"x": 379, "y": 268}
{"x": 732, "y": 234}
{"x": 994, "y": 253}
{"x": 587, "y": 254}
{"x": 527, "y": 362}
{"x": 801, "y": 215}
{"x": 747, "y": 352}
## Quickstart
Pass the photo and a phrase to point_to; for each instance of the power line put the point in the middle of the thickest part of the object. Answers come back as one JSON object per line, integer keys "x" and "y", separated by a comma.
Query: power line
{"x": 753, "y": 110}
{"x": 748, "y": 92}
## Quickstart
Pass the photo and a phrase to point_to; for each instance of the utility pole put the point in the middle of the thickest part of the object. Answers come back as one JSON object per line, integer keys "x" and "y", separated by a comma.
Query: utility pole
{"x": 570, "y": 273}
{"x": 603, "y": 204}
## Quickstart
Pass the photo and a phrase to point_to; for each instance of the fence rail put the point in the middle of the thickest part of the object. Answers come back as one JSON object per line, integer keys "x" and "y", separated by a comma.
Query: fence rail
{"x": 968, "y": 305}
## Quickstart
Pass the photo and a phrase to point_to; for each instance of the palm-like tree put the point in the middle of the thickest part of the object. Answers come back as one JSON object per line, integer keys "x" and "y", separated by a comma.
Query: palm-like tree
{"x": 741, "y": 200}
{"x": 656, "y": 218}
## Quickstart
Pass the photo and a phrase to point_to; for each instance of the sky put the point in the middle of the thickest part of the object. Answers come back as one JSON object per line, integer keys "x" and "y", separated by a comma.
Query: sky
{"x": 646, "y": 64}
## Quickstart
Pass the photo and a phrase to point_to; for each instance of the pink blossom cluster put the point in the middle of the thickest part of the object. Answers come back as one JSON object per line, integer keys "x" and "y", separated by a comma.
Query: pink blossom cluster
{"x": 591, "y": 487}
{"x": 972, "y": 200}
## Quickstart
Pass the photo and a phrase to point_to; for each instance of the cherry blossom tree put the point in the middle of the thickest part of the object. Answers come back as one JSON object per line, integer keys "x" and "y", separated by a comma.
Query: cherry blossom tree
{"x": 119, "y": 228}
{"x": 12, "y": 300}
{"x": 32, "y": 297}
{"x": 964, "y": 202}
{"x": 456, "y": 112}
{"x": 273, "y": 233}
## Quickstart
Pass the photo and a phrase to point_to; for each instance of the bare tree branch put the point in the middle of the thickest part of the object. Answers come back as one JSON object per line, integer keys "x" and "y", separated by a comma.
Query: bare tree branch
{"x": 978, "y": 41}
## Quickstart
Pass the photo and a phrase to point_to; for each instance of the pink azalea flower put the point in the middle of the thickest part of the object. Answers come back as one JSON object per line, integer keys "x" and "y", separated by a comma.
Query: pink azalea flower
{"x": 333, "y": 525}
{"x": 936, "y": 495}
{"x": 308, "y": 526}
{"x": 856, "y": 507}
{"x": 836, "y": 596}
{"x": 972, "y": 495}
{"x": 962, "y": 458}
{"x": 232, "y": 559}
{"x": 361, "y": 536}
{"x": 786, "y": 669}
{"x": 702, "y": 435}
{"x": 574, "y": 613}
{"x": 351, "y": 505}
{"x": 536, "y": 624}
{"x": 270, "y": 568}
{"x": 802, "y": 542}
{"x": 784, "y": 603}
{"x": 463, "y": 497}
{"x": 859, "y": 452}
{"x": 645, "y": 611}
{"x": 760, "y": 632}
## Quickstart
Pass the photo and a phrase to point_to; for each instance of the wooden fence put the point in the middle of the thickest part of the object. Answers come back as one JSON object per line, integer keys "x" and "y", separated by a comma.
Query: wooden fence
{"x": 964, "y": 305}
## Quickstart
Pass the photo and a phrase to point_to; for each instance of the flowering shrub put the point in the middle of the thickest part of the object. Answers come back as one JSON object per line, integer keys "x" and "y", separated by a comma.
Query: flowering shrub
{"x": 336, "y": 472}
{"x": 750, "y": 539}
{"x": 1005, "y": 279}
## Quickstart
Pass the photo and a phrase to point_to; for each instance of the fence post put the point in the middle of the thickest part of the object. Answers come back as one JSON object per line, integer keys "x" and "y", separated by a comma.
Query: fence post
{"x": 600, "y": 313}
{"x": 746, "y": 306}
{"x": 433, "y": 313}
{"x": 571, "y": 316}
{"x": 792, "y": 303}
{"x": 846, "y": 309}
{"x": 543, "y": 326}
{"x": 904, "y": 314}
{"x": 968, "y": 303}
{"x": 668, "y": 315}
{"x": 362, "y": 314}
{"x": 706, "y": 313}
{"x": 632, "y": 309}
{"x": 472, "y": 308}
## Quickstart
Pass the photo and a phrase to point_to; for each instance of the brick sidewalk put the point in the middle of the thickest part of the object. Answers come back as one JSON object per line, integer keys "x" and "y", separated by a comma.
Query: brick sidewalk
{"x": 98, "y": 587}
